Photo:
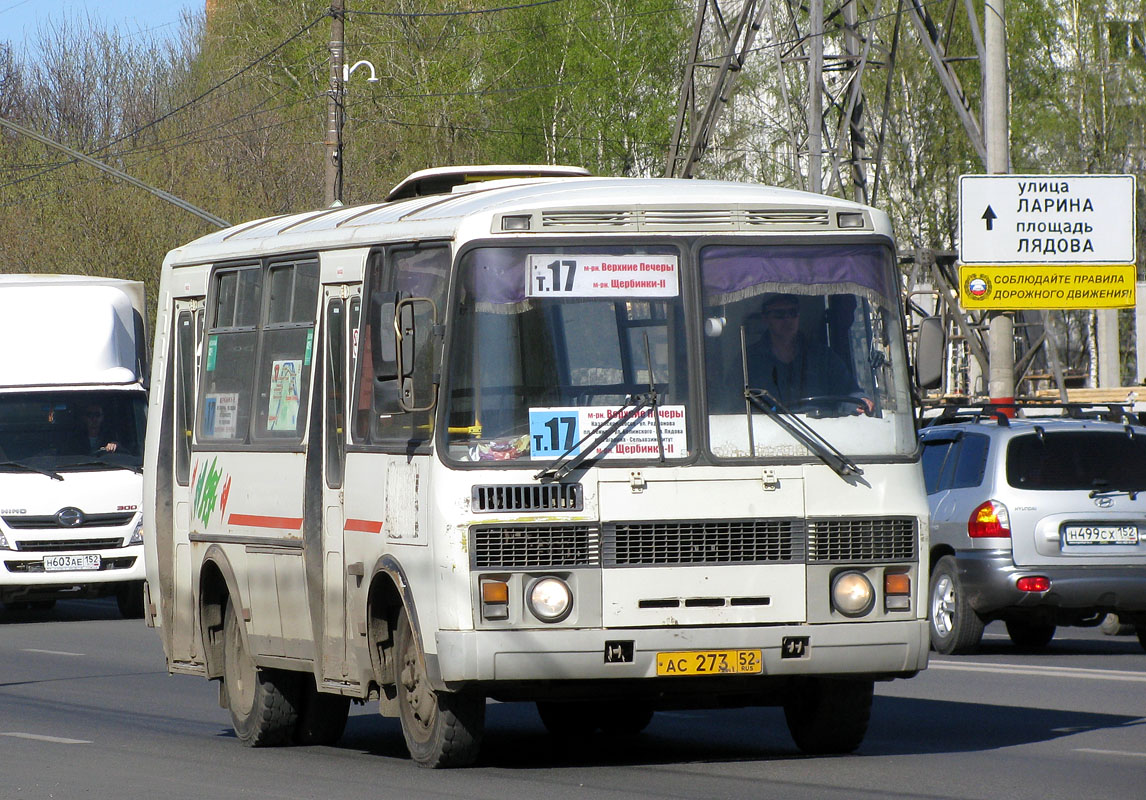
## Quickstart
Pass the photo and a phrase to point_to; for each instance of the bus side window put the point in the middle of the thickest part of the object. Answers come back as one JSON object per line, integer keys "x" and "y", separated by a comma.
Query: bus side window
{"x": 224, "y": 410}
{"x": 287, "y": 351}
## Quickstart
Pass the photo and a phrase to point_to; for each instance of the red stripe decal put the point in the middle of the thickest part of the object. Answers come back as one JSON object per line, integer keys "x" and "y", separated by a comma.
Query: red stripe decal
{"x": 256, "y": 521}
{"x": 363, "y": 525}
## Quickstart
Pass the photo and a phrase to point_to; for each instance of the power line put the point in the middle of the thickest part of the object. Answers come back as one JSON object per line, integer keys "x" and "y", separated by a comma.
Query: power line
{"x": 451, "y": 13}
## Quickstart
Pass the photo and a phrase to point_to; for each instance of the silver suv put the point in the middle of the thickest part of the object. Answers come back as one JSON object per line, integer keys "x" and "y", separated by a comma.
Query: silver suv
{"x": 1038, "y": 521}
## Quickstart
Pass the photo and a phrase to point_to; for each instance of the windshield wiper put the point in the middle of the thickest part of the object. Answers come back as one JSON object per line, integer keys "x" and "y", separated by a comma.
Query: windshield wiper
{"x": 1100, "y": 490}
{"x": 560, "y": 467}
{"x": 799, "y": 430}
{"x": 103, "y": 462}
{"x": 30, "y": 468}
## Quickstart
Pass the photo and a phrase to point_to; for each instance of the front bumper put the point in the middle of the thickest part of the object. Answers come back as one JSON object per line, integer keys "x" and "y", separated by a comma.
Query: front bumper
{"x": 989, "y": 579}
{"x": 23, "y": 570}
{"x": 882, "y": 648}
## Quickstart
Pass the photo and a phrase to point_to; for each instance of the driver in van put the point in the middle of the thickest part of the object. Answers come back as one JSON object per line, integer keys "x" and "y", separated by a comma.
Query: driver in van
{"x": 98, "y": 439}
{"x": 791, "y": 367}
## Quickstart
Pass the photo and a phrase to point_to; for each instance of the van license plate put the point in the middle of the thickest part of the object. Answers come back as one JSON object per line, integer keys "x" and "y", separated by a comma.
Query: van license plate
{"x": 1101, "y": 534}
{"x": 710, "y": 662}
{"x": 84, "y": 561}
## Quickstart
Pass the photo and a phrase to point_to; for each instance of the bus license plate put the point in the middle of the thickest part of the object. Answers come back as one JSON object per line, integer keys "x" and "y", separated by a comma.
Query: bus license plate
{"x": 84, "y": 561}
{"x": 1101, "y": 534}
{"x": 710, "y": 662}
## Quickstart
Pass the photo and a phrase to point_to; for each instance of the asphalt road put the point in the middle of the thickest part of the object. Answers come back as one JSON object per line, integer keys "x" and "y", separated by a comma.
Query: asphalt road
{"x": 87, "y": 710}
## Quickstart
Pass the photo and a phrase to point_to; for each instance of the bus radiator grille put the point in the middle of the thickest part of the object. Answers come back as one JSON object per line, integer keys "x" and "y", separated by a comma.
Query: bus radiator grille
{"x": 738, "y": 541}
{"x": 863, "y": 540}
{"x": 533, "y": 546}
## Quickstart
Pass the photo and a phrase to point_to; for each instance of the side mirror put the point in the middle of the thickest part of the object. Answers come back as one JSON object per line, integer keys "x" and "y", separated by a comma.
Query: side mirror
{"x": 929, "y": 349}
{"x": 383, "y": 344}
{"x": 409, "y": 348}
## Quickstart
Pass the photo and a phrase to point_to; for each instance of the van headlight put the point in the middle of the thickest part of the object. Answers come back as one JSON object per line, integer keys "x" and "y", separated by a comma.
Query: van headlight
{"x": 549, "y": 599}
{"x": 137, "y": 534}
{"x": 852, "y": 594}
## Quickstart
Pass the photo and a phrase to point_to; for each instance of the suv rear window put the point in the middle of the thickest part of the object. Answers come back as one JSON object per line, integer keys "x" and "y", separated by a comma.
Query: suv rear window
{"x": 1072, "y": 460}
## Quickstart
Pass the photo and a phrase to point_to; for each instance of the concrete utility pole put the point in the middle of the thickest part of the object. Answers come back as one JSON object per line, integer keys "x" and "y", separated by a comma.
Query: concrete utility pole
{"x": 333, "y": 172}
{"x": 816, "y": 98}
{"x": 1001, "y": 341}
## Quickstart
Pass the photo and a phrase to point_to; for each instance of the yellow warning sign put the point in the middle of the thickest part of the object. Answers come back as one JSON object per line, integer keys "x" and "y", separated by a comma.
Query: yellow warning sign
{"x": 991, "y": 287}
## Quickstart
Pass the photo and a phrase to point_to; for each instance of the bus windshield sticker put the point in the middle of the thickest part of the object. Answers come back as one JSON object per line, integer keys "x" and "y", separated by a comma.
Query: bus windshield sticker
{"x": 309, "y": 345}
{"x": 556, "y": 431}
{"x": 282, "y": 415}
{"x": 221, "y": 415}
{"x": 564, "y": 275}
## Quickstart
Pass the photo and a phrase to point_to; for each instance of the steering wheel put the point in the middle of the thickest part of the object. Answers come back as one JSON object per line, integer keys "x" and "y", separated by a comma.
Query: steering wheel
{"x": 829, "y": 405}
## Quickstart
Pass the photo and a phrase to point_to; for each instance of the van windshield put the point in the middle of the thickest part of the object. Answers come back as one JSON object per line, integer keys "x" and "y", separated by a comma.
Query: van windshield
{"x": 72, "y": 430}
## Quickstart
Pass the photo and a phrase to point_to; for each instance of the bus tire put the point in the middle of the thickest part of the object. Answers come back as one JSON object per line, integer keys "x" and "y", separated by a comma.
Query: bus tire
{"x": 955, "y": 627}
{"x": 322, "y": 717}
{"x": 441, "y": 729}
{"x": 829, "y": 716}
{"x": 263, "y": 702}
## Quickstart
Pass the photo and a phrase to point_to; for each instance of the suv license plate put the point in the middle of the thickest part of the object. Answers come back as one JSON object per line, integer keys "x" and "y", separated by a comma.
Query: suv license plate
{"x": 1101, "y": 534}
{"x": 710, "y": 662}
{"x": 86, "y": 561}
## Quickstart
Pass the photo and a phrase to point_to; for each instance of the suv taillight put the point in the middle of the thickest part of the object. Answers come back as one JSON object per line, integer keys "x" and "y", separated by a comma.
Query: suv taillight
{"x": 989, "y": 520}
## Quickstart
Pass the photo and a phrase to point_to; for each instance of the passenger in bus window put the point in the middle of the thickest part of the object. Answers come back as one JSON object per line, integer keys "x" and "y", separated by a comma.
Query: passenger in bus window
{"x": 98, "y": 439}
{"x": 793, "y": 367}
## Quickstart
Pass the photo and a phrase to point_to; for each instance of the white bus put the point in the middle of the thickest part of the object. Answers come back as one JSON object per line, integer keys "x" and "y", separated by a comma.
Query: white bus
{"x": 521, "y": 439}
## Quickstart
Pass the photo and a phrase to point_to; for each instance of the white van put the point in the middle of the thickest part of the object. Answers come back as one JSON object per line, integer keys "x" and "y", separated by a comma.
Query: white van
{"x": 73, "y": 404}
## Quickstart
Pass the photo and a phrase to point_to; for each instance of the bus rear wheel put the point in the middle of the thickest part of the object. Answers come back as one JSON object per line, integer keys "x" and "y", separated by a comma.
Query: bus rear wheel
{"x": 829, "y": 716}
{"x": 441, "y": 729}
{"x": 263, "y": 702}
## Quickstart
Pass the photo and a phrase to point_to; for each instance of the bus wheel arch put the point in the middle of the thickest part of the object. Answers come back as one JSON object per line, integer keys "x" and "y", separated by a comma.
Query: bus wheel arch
{"x": 217, "y": 588}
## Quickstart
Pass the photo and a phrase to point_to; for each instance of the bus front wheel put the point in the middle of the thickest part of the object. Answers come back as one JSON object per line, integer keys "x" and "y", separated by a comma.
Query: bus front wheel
{"x": 263, "y": 702}
{"x": 829, "y": 716}
{"x": 441, "y": 729}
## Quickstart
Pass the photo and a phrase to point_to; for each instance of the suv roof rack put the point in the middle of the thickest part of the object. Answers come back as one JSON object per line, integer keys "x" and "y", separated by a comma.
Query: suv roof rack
{"x": 1001, "y": 413}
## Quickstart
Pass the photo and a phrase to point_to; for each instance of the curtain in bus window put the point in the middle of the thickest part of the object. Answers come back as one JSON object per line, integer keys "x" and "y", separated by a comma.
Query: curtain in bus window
{"x": 287, "y": 349}
{"x": 231, "y": 342}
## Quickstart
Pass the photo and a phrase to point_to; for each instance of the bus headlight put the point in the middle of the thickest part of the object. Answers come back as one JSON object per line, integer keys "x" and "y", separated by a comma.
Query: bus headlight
{"x": 852, "y": 594}
{"x": 549, "y": 599}
{"x": 3, "y": 542}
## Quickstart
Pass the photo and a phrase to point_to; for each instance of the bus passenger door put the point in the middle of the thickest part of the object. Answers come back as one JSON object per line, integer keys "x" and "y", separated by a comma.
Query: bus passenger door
{"x": 185, "y": 345}
{"x": 337, "y": 304}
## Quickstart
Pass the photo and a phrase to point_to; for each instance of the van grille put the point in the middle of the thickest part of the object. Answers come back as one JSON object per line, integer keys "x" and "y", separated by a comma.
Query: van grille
{"x": 528, "y": 497}
{"x": 741, "y": 541}
{"x": 886, "y": 539}
{"x": 49, "y": 521}
{"x": 530, "y": 546}
{"x": 69, "y": 545}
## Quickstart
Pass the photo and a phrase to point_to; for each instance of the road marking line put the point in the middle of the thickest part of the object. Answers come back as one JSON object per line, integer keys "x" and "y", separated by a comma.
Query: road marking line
{"x": 1057, "y": 672}
{"x": 51, "y": 652}
{"x": 1109, "y": 752}
{"x": 37, "y": 737}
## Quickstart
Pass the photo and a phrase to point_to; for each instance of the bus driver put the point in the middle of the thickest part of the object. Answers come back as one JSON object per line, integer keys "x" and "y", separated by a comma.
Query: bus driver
{"x": 791, "y": 367}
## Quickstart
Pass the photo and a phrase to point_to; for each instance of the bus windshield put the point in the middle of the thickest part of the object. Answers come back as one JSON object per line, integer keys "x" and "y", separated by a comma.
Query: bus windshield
{"x": 550, "y": 341}
{"x": 811, "y": 329}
